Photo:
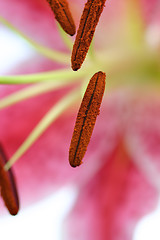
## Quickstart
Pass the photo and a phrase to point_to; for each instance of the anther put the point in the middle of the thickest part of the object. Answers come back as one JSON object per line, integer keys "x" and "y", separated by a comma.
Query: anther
{"x": 8, "y": 186}
{"x": 86, "y": 118}
{"x": 88, "y": 23}
{"x": 63, "y": 15}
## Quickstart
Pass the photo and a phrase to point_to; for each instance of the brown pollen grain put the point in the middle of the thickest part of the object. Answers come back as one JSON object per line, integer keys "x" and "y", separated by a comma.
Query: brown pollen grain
{"x": 88, "y": 23}
{"x": 86, "y": 118}
{"x": 63, "y": 15}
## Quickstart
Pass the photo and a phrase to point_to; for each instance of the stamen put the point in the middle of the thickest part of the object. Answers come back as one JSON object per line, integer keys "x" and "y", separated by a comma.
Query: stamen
{"x": 45, "y": 51}
{"x": 88, "y": 23}
{"x": 86, "y": 118}
{"x": 46, "y": 121}
{"x": 66, "y": 74}
{"x": 63, "y": 15}
{"x": 8, "y": 186}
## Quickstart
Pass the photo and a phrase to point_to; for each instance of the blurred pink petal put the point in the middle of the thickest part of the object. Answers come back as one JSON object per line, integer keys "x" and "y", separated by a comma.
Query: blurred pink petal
{"x": 151, "y": 10}
{"x": 110, "y": 204}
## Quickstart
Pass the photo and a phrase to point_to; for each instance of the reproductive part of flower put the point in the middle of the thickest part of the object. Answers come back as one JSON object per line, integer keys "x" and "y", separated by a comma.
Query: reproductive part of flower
{"x": 63, "y": 15}
{"x": 86, "y": 118}
{"x": 7, "y": 186}
{"x": 88, "y": 23}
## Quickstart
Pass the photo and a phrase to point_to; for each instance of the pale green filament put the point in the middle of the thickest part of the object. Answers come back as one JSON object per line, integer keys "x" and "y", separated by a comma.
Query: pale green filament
{"x": 91, "y": 51}
{"x": 66, "y": 39}
{"x": 32, "y": 91}
{"x": 45, "y": 51}
{"x": 45, "y": 122}
{"x": 56, "y": 75}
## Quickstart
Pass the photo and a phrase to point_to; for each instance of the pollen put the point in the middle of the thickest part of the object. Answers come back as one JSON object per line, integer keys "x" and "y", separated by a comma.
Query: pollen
{"x": 86, "y": 118}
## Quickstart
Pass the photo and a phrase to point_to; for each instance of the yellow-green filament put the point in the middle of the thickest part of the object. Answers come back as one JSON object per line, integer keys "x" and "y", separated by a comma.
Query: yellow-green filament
{"x": 31, "y": 91}
{"x": 91, "y": 51}
{"x": 45, "y": 122}
{"x": 66, "y": 39}
{"x": 45, "y": 51}
{"x": 56, "y": 75}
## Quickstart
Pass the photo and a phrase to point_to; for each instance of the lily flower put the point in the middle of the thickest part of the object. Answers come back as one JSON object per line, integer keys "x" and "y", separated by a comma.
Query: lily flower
{"x": 119, "y": 181}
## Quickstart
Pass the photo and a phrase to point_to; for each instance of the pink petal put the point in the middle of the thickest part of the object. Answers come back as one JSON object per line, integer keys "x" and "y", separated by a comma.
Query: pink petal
{"x": 109, "y": 204}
